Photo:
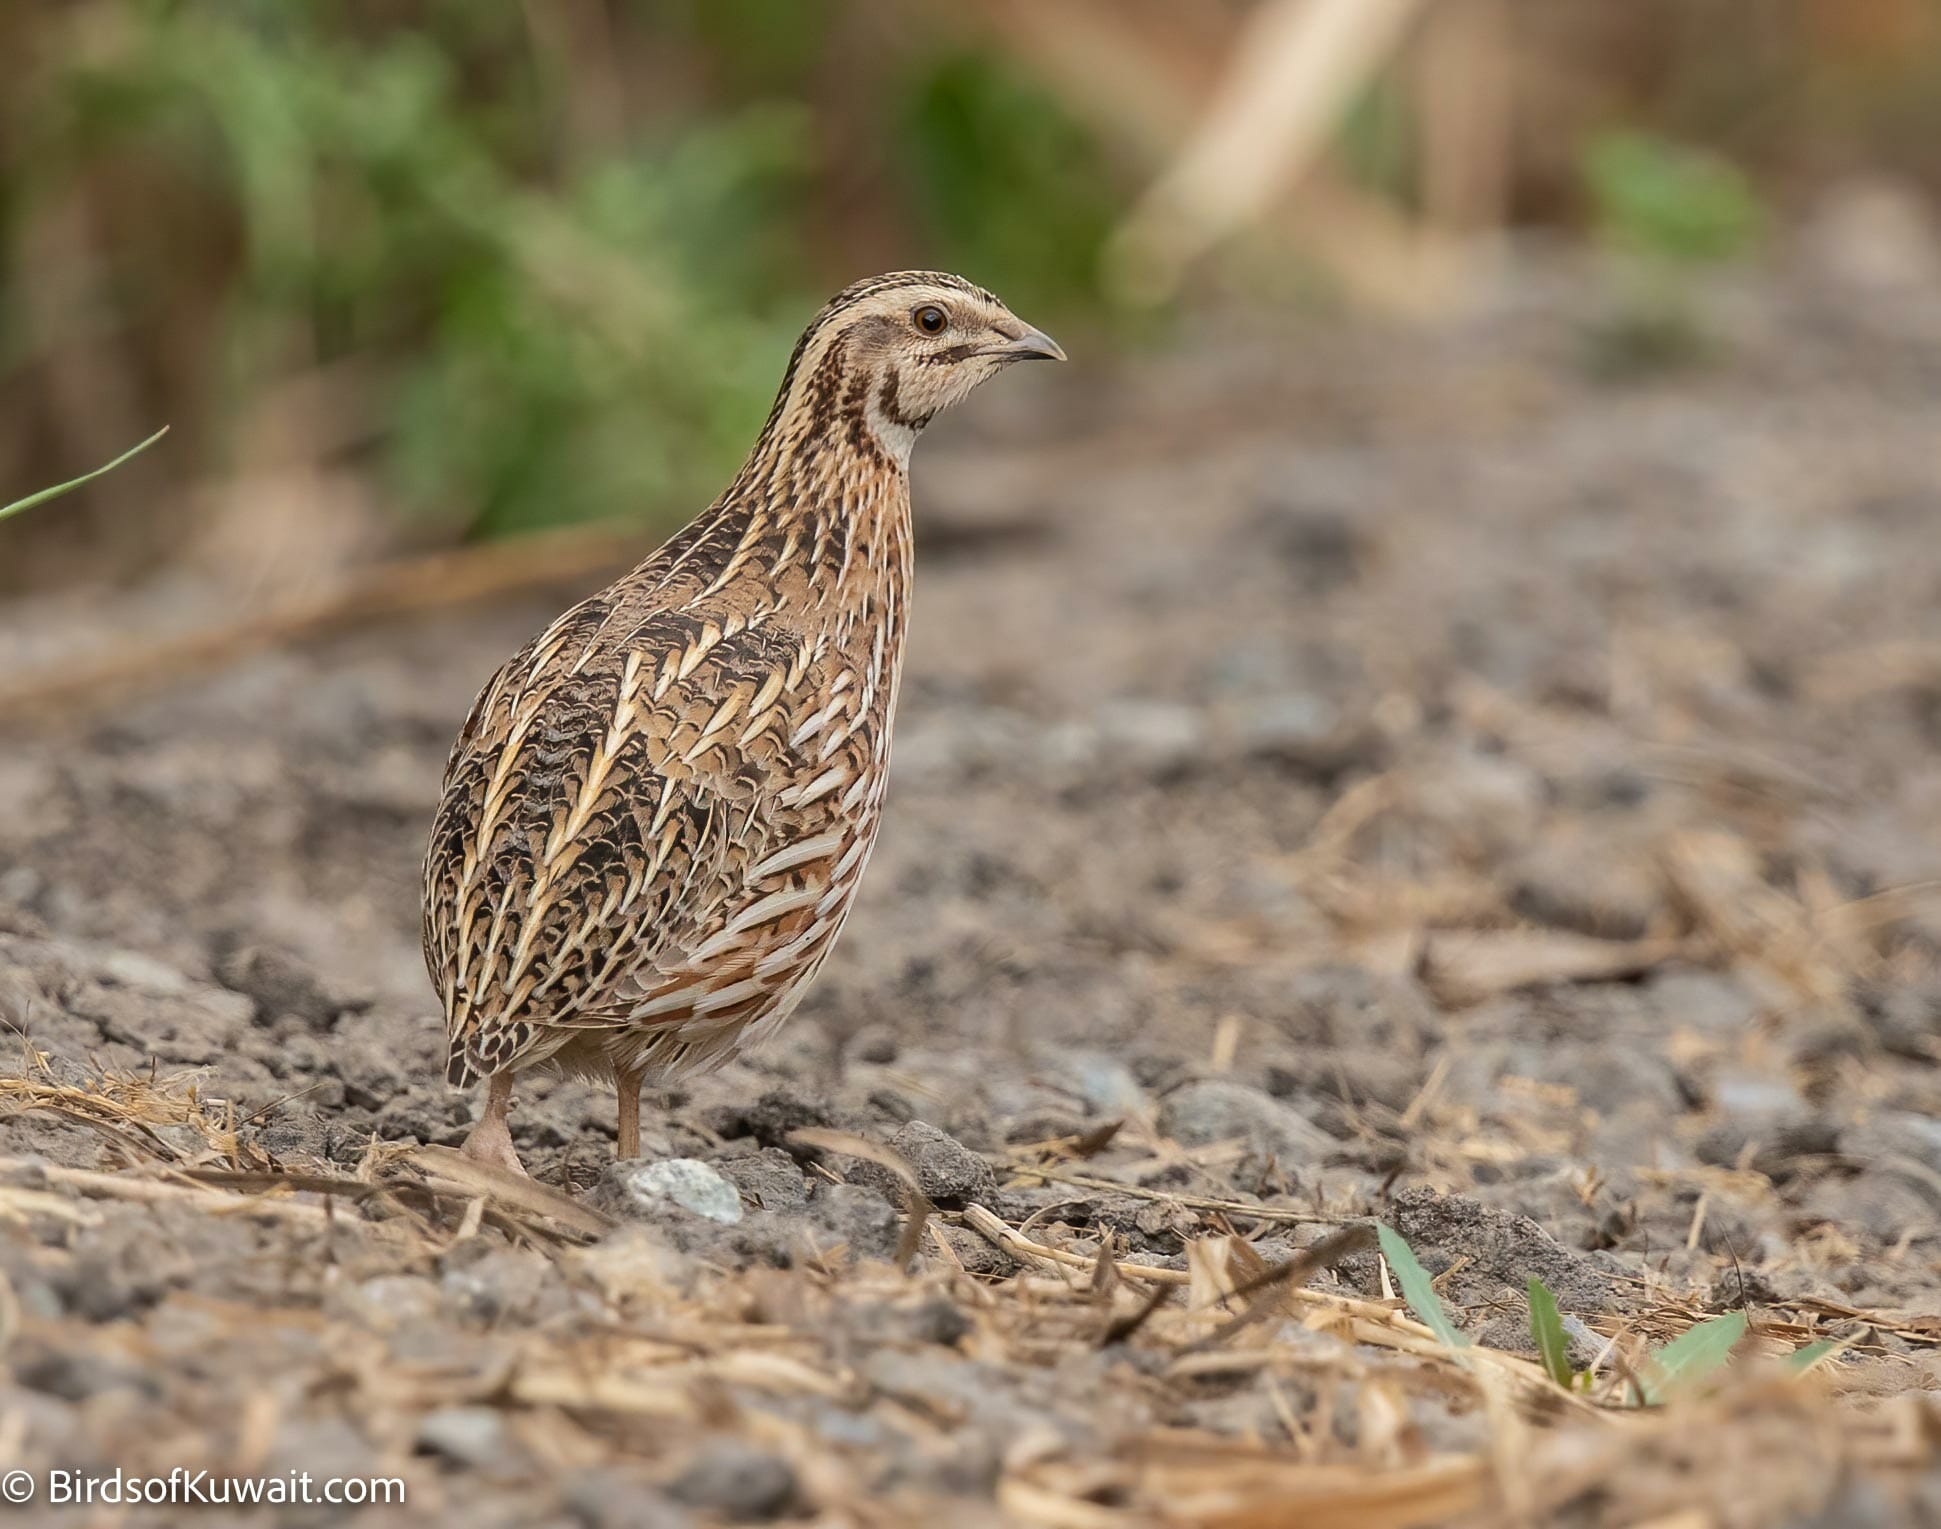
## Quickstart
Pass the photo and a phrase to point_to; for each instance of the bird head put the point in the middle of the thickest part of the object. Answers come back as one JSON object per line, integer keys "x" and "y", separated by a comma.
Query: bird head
{"x": 885, "y": 356}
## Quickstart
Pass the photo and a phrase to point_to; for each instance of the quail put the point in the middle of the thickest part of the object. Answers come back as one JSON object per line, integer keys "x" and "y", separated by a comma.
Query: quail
{"x": 657, "y": 813}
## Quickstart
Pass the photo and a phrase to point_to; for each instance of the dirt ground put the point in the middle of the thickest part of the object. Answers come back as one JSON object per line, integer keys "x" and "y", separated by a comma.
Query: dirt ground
{"x": 1341, "y": 773}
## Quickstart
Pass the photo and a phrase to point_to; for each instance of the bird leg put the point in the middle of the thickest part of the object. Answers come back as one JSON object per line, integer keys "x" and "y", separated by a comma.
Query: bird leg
{"x": 627, "y": 1082}
{"x": 490, "y": 1140}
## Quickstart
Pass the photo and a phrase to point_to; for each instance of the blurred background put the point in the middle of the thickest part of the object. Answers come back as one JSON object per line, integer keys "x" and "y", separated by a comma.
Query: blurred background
{"x": 405, "y": 276}
{"x": 1435, "y": 711}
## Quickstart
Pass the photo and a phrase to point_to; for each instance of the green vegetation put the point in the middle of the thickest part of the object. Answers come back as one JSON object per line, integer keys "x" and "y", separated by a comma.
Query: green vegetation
{"x": 1664, "y": 213}
{"x": 1670, "y": 205}
{"x": 1417, "y": 1288}
{"x": 1547, "y": 1330}
{"x": 1684, "y": 1365}
{"x": 73, "y": 483}
{"x": 998, "y": 169}
{"x": 545, "y": 294}
{"x": 1693, "y": 1357}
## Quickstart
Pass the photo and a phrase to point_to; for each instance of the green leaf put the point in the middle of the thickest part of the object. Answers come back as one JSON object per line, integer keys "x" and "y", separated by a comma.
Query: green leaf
{"x": 1547, "y": 1328}
{"x": 1694, "y": 1355}
{"x": 1416, "y": 1288}
{"x": 61, "y": 488}
{"x": 1669, "y": 201}
{"x": 1806, "y": 1358}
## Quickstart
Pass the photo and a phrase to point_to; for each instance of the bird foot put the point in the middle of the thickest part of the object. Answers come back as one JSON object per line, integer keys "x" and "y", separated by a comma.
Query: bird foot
{"x": 493, "y": 1147}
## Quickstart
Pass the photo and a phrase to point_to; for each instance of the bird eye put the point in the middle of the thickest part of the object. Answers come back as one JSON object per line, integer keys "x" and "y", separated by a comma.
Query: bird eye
{"x": 930, "y": 320}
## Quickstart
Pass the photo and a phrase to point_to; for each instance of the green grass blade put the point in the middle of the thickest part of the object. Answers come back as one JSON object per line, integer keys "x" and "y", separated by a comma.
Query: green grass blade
{"x": 73, "y": 483}
{"x": 1547, "y": 1328}
{"x": 1807, "y": 1357}
{"x": 1691, "y": 1357}
{"x": 1416, "y": 1289}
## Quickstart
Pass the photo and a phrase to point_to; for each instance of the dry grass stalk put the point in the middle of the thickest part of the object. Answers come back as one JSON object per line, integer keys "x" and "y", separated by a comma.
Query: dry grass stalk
{"x": 439, "y": 581}
{"x": 1292, "y": 72}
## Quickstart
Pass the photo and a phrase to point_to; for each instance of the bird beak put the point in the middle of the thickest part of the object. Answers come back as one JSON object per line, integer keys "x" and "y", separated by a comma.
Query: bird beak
{"x": 1032, "y": 345}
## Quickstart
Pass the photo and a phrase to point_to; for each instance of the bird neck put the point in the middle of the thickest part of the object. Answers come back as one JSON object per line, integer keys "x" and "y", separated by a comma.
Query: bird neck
{"x": 826, "y": 519}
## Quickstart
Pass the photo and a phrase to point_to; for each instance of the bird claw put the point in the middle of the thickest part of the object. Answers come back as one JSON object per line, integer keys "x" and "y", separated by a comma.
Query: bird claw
{"x": 494, "y": 1149}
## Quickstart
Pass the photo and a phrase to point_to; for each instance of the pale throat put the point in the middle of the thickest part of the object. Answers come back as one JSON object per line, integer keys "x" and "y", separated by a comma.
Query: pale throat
{"x": 897, "y": 437}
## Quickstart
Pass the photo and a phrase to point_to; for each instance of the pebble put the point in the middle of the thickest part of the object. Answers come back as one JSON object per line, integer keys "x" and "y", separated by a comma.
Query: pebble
{"x": 132, "y": 969}
{"x": 696, "y": 1187}
{"x": 1895, "y": 1134}
{"x": 769, "y": 1178}
{"x": 473, "y": 1436}
{"x": 1107, "y": 1084}
{"x": 604, "y": 1497}
{"x": 1214, "y": 1109}
{"x": 949, "y": 1172}
{"x": 744, "y": 1485}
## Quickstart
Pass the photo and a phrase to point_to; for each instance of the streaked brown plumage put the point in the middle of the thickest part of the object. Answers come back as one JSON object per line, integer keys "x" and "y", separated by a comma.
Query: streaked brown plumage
{"x": 656, "y": 816}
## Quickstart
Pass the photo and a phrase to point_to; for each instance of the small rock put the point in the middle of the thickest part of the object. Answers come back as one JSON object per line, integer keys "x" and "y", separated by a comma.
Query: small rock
{"x": 279, "y": 984}
{"x": 931, "y": 1320}
{"x": 74, "y": 1377}
{"x": 604, "y": 1497}
{"x": 1772, "y": 1144}
{"x": 1156, "y": 736}
{"x": 1307, "y": 737}
{"x": 950, "y": 1174}
{"x": 1712, "y": 1003}
{"x": 635, "y": 1259}
{"x": 1349, "y": 1006}
{"x": 474, "y": 1436}
{"x": 1882, "y": 1204}
{"x": 1895, "y": 1134}
{"x": 647, "y": 1189}
{"x": 385, "y": 1300}
{"x": 857, "y": 1216}
{"x": 771, "y": 1119}
{"x": 1906, "y": 1018}
{"x": 744, "y": 1485}
{"x": 1325, "y": 544}
{"x": 1756, "y": 1098}
{"x": 1355, "y": 1077}
{"x": 1107, "y": 1084}
{"x": 980, "y": 1258}
{"x": 1503, "y": 1249}
{"x": 1488, "y": 805}
{"x": 875, "y": 1044}
{"x": 768, "y": 1177}
{"x": 891, "y": 1105}
{"x": 131, "y": 969}
{"x": 1567, "y": 882}
{"x": 489, "y": 1284}
{"x": 1215, "y": 1109}
{"x": 1042, "y": 1125}
{"x": 321, "y": 1445}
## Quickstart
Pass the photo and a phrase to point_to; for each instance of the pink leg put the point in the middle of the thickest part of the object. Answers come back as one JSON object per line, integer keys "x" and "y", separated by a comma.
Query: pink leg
{"x": 490, "y": 1140}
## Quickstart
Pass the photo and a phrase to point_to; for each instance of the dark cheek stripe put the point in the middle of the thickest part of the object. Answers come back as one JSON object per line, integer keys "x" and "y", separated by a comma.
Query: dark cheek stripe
{"x": 948, "y": 357}
{"x": 889, "y": 398}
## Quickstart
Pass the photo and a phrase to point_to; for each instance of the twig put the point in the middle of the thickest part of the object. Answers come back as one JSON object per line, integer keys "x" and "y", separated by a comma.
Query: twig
{"x": 1271, "y": 1286}
{"x": 1191, "y": 1201}
{"x": 437, "y": 581}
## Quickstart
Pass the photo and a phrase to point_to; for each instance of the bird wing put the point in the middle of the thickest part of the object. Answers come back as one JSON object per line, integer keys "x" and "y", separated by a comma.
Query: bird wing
{"x": 603, "y": 806}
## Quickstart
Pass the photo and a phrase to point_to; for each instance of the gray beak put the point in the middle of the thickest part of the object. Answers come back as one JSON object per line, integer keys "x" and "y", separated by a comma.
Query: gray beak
{"x": 1032, "y": 345}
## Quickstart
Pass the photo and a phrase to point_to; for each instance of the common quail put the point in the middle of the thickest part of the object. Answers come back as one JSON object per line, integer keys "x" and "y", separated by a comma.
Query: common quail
{"x": 656, "y": 816}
